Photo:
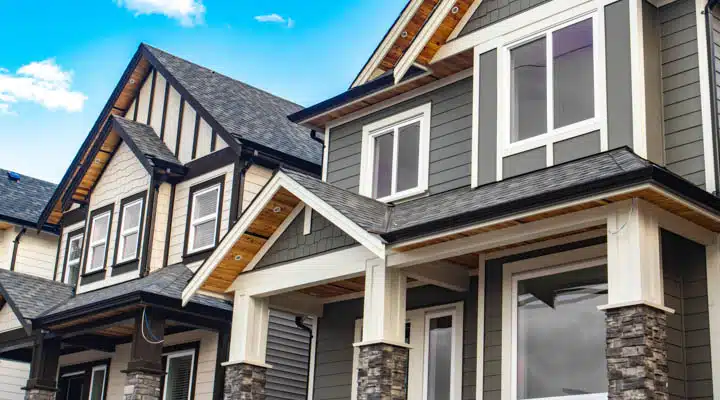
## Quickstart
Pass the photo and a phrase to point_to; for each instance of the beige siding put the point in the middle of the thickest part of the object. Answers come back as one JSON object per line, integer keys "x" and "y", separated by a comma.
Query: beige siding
{"x": 144, "y": 100}
{"x": 13, "y": 376}
{"x": 157, "y": 106}
{"x": 161, "y": 218}
{"x": 220, "y": 143}
{"x": 130, "y": 114}
{"x": 8, "y": 320}
{"x": 6, "y": 238}
{"x": 187, "y": 134}
{"x": 171, "y": 119}
{"x": 204, "y": 139}
{"x": 255, "y": 178}
{"x": 180, "y": 208}
{"x": 36, "y": 254}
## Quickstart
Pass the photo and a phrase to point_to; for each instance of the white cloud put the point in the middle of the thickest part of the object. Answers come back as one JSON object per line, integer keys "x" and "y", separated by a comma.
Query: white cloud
{"x": 41, "y": 82}
{"x": 276, "y": 19}
{"x": 188, "y": 12}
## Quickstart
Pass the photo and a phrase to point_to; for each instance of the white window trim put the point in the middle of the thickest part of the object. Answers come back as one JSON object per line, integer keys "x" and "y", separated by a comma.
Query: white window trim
{"x": 124, "y": 233}
{"x": 176, "y": 354}
{"x": 530, "y": 268}
{"x": 69, "y": 262}
{"x": 423, "y": 315}
{"x": 103, "y": 240}
{"x": 371, "y": 131}
{"x": 209, "y": 217}
{"x": 92, "y": 379}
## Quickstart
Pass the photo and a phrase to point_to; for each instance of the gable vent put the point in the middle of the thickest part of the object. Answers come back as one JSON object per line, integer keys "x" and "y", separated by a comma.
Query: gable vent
{"x": 13, "y": 176}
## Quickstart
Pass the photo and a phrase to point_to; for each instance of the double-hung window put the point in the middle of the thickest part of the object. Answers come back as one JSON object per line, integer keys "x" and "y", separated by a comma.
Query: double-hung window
{"x": 395, "y": 155}
{"x": 179, "y": 370}
{"x": 129, "y": 231}
{"x": 74, "y": 253}
{"x": 97, "y": 246}
{"x": 204, "y": 219}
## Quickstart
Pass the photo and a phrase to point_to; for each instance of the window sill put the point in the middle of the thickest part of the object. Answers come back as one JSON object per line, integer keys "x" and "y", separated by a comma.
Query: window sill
{"x": 558, "y": 135}
{"x": 93, "y": 273}
{"x": 125, "y": 267}
{"x": 404, "y": 195}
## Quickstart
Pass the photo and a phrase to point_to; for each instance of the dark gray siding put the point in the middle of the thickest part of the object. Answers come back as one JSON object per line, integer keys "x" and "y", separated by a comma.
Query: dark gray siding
{"x": 715, "y": 24}
{"x": 492, "y": 11}
{"x": 577, "y": 147}
{"x": 487, "y": 118}
{"x": 681, "y": 91}
{"x": 293, "y": 244}
{"x": 688, "y": 339}
{"x": 492, "y": 368}
{"x": 619, "y": 87}
{"x": 527, "y": 161}
{"x": 287, "y": 351}
{"x": 450, "y": 138}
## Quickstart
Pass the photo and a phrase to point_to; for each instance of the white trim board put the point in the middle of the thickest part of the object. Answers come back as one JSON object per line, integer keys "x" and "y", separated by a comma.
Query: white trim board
{"x": 705, "y": 98}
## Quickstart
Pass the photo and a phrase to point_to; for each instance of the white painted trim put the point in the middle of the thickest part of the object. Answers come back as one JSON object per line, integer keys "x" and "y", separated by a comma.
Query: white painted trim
{"x": 196, "y": 221}
{"x": 441, "y": 273}
{"x": 372, "y": 131}
{"x": 249, "y": 333}
{"x": 103, "y": 368}
{"x": 307, "y": 222}
{"x": 395, "y": 31}
{"x": 67, "y": 262}
{"x": 124, "y": 233}
{"x": 636, "y": 303}
{"x": 360, "y": 295}
{"x": 274, "y": 237}
{"x": 637, "y": 78}
{"x": 384, "y": 304}
{"x": 456, "y": 313}
{"x": 713, "y": 289}
{"x": 297, "y": 303}
{"x": 313, "y": 357}
{"x": 102, "y": 241}
{"x": 681, "y": 226}
{"x": 596, "y": 233}
{"x": 705, "y": 98}
{"x": 422, "y": 38}
{"x": 475, "y": 135}
{"x": 480, "y": 332}
{"x": 357, "y": 337}
{"x": 326, "y": 153}
{"x": 176, "y": 354}
{"x": 463, "y": 21}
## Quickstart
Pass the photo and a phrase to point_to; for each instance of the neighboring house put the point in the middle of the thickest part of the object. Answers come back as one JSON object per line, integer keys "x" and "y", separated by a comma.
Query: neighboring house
{"x": 23, "y": 249}
{"x": 177, "y": 154}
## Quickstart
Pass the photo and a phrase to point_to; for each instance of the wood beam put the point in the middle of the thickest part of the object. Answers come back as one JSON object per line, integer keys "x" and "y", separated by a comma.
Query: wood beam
{"x": 441, "y": 273}
{"x": 298, "y": 303}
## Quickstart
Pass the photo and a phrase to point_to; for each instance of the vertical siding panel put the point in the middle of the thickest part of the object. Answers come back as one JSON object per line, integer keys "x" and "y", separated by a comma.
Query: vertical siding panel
{"x": 204, "y": 138}
{"x": 130, "y": 113}
{"x": 187, "y": 134}
{"x": 143, "y": 106}
{"x": 161, "y": 219}
{"x": 171, "y": 119}
{"x": 617, "y": 61}
{"x": 158, "y": 101}
{"x": 255, "y": 178}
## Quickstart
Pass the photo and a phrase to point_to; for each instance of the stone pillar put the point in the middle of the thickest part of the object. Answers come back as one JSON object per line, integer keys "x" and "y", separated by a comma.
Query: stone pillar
{"x": 141, "y": 385}
{"x": 382, "y": 372}
{"x": 42, "y": 384}
{"x": 636, "y": 353}
{"x": 144, "y": 370}
{"x": 39, "y": 394}
{"x": 245, "y": 382}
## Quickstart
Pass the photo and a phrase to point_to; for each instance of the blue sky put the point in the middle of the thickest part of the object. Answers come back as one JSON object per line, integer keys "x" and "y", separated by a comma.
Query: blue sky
{"x": 59, "y": 62}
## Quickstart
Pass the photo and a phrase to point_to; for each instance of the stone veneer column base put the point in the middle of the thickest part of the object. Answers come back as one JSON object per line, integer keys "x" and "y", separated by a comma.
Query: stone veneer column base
{"x": 142, "y": 385}
{"x": 382, "y": 372}
{"x": 245, "y": 382}
{"x": 636, "y": 353}
{"x": 39, "y": 394}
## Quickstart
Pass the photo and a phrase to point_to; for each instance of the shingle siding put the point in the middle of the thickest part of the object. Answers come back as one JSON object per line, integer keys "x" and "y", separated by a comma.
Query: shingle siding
{"x": 493, "y": 11}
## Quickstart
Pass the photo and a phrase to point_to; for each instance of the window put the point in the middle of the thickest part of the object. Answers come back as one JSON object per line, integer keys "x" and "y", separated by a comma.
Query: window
{"x": 72, "y": 263}
{"x": 98, "y": 242}
{"x": 204, "y": 215}
{"x": 552, "y": 81}
{"x": 129, "y": 236}
{"x": 396, "y": 155}
{"x": 558, "y": 333}
{"x": 435, "y": 359}
{"x": 179, "y": 375}
{"x": 97, "y": 382}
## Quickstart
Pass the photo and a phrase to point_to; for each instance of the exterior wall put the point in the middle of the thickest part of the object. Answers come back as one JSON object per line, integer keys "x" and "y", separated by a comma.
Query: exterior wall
{"x": 8, "y": 320}
{"x": 681, "y": 91}
{"x": 715, "y": 24}
{"x": 490, "y": 12}
{"x": 6, "y": 238}
{"x": 287, "y": 352}
{"x": 293, "y": 244}
{"x": 13, "y": 376}
{"x": 450, "y": 140}
{"x": 255, "y": 178}
{"x": 619, "y": 84}
{"x": 36, "y": 253}
{"x": 162, "y": 212}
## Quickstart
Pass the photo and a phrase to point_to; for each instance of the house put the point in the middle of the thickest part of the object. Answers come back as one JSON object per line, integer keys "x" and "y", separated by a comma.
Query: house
{"x": 23, "y": 249}
{"x": 176, "y": 155}
{"x": 518, "y": 201}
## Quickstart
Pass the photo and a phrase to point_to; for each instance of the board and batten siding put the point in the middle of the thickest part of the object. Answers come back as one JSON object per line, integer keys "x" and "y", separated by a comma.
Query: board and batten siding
{"x": 681, "y": 91}
{"x": 492, "y": 11}
{"x": 13, "y": 377}
{"x": 287, "y": 352}
{"x": 255, "y": 179}
{"x": 450, "y": 139}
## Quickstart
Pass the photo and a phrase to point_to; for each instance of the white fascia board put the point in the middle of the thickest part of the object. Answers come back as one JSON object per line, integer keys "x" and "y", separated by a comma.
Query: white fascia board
{"x": 422, "y": 38}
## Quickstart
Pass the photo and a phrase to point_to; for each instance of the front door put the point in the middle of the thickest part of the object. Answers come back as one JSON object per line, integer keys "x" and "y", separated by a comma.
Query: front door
{"x": 71, "y": 387}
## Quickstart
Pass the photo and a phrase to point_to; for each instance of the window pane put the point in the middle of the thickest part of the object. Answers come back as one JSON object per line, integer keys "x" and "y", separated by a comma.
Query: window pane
{"x": 132, "y": 216}
{"x": 179, "y": 373}
{"x": 529, "y": 90}
{"x": 439, "y": 354}
{"x": 73, "y": 272}
{"x": 573, "y": 76}
{"x": 129, "y": 246}
{"x": 204, "y": 234}
{"x": 98, "y": 383}
{"x": 561, "y": 334}
{"x": 100, "y": 228}
{"x": 75, "y": 249}
{"x": 408, "y": 156}
{"x": 382, "y": 175}
{"x": 205, "y": 204}
{"x": 98, "y": 256}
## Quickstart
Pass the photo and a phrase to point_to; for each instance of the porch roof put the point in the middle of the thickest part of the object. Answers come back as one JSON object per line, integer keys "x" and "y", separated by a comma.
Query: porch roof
{"x": 30, "y": 296}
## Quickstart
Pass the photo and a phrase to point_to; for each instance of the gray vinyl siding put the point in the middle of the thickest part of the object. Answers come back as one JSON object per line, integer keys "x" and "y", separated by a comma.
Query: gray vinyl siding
{"x": 450, "y": 140}
{"x": 487, "y": 118}
{"x": 617, "y": 63}
{"x": 715, "y": 24}
{"x": 293, "y": 244}
{"x": 492, "y": 11}
{"x": 688, "y": 338}
{"x": 681, "y": 91}
{"x": 287, "y": 353}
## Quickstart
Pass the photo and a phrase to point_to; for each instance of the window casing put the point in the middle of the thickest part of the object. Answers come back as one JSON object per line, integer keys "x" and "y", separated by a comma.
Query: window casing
{"x": 74, "y": 254}
{"x": 179, "y": 375}
{"x": 395, "y": 155}
{"x": 98, "y": 378}
{"x": 129, "y": 237}
{"x": 97, "y": 245}
{"x": 204, "y": 219}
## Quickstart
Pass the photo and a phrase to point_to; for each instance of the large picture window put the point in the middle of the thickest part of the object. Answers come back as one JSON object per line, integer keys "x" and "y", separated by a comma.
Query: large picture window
{"x": 395, "y": 155}
{"x": 204, "y": 218}
{"x": 97, "y": 246}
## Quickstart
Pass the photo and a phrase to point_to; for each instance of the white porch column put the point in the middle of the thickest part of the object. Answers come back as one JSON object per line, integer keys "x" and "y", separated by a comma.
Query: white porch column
{"x": 248, "y": 337}
{"x": 712, "y": 252}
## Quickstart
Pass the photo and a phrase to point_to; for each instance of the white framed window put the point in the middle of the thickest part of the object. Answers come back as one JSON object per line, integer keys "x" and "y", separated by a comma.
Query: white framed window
{"x": 129, "y": 237}
{"x": 97, "y": 246}
{"x": 435, "y": 336}
{"x": 74, "y": 254}
{"x": 98, "y": 377}
{"x": 179, "y": 372}
{"x": 553, "y": 332}
{"x": 204, "y": 219}
{"x": 395, "y": 155}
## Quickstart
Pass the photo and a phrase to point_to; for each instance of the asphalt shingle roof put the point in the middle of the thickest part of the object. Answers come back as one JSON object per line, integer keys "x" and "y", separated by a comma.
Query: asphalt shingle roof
{"x": 23, "y": 200}
{"x": 246, "y": 112}
{"x": 146, "y": 140}
{"x": 32, "y": 295}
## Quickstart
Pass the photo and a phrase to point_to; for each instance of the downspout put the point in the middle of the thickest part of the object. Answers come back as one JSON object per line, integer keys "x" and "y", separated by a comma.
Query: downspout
{"x": 713, "y": 90}
{"x": 16, "y": 244}
{"x": 301, "y": 325}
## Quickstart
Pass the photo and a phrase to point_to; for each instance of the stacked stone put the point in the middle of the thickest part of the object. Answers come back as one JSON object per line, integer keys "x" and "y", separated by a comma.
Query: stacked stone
{"x": 141, "y": 385}
{"x": 636, "y": 353}
{"x": 245, "y": 382}
{"x": 382, "y": 372}
{"x": 39, "y": 394}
